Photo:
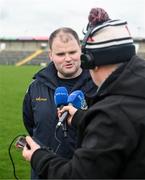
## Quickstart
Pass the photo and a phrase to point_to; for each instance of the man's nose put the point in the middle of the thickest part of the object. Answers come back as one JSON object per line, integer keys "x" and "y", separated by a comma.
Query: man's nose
{"x": 68, "y": 57}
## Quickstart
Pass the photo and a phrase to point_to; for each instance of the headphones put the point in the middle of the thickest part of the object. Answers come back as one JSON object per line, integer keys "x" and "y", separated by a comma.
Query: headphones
{"x": 87, "y": 58}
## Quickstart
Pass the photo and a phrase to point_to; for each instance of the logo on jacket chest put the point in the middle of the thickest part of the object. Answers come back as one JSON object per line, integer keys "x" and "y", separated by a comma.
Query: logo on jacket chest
{"x": 40, "y": 99}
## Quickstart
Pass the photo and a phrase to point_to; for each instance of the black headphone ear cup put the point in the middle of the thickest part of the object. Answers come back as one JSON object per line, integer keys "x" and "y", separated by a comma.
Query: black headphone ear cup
{"x": 87, "y": 61}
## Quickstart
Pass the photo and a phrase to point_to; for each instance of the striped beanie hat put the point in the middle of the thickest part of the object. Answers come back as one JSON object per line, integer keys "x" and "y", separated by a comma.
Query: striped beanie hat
{"x": 109, "y": 41}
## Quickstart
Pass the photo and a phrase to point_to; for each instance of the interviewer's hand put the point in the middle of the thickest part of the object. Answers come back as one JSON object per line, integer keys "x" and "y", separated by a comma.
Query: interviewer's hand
{"x": 27, "y": 153}
{"x": 72, "y": 110}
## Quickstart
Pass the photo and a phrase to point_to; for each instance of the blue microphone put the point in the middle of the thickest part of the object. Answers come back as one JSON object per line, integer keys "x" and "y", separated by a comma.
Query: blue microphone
{"x": 76, "y": 99}
{"x": 60, "y": 99}
{"x": 60, "y": 96}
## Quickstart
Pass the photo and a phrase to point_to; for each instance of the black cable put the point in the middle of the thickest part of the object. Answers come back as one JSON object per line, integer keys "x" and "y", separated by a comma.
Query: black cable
{"x": 9, "y": 151}
{"x": 57, "y": 139}
{"x": 64, "y": 129}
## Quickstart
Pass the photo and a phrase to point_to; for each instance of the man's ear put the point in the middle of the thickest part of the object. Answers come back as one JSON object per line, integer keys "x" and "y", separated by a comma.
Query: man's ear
{"x": 50, "y": 54}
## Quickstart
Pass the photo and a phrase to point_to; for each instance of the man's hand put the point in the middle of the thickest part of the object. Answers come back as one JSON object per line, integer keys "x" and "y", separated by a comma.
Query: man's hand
{"x": 28, "y": 152}
{"x": 72, "y": 110}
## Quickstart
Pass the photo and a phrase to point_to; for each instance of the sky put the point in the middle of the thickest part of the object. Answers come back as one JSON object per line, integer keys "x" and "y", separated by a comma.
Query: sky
{"x": 33, "y": 18}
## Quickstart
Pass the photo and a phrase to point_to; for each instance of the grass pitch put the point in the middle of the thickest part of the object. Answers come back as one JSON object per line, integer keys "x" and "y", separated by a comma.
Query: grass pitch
{"x": 13, "y": 84}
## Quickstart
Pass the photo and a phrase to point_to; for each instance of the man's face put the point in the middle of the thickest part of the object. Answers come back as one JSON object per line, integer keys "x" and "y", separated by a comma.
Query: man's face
{"x": 101, "y": 73}
{"x": 65, "y": 53}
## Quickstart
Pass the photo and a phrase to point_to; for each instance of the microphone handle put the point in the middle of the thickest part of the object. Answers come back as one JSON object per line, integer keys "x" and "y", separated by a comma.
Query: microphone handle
{"x": 62, "y": 119}
{"x": 65, "y": 129}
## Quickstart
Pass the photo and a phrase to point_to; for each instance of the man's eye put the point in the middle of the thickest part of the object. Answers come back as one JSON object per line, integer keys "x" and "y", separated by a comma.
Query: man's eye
{"x": 72, "y": 52}
{"x": 60, "y": 54}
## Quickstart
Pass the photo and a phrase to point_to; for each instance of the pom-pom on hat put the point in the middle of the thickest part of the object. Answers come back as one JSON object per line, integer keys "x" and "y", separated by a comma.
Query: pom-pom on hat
{"x": 106, "y": 41}
{"x": 97, "y": 15}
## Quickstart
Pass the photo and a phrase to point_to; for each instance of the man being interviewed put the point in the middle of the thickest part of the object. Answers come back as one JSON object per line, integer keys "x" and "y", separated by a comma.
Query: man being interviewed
{"x": 111, "y": 133}
{"x": 39, "y": 109}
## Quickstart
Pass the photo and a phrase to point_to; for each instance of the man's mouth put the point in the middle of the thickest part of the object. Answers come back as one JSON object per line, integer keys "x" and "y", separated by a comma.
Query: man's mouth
{"x": 69, "y": 65}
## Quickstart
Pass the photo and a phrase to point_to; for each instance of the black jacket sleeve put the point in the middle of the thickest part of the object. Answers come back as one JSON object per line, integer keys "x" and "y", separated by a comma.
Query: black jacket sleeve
{"x": 104, "y": 147}
{"x": 28, "y": 114}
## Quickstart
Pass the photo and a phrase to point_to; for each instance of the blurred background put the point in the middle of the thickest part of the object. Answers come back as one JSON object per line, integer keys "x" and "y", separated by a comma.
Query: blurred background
{"x": 25, "y": 26}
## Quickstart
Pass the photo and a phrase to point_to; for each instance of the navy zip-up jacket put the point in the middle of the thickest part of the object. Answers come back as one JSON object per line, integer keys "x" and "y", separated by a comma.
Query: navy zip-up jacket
{"x": 40, "y": 113}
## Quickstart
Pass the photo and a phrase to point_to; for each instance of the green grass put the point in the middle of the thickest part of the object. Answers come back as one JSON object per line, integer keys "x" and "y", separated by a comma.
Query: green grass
{"x": 13, "y": 84}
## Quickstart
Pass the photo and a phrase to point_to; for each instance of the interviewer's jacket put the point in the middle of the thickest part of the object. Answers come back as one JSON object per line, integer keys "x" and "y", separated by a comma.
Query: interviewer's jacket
{"x": 111, "y": 132}
{"x": 40, "y": 113}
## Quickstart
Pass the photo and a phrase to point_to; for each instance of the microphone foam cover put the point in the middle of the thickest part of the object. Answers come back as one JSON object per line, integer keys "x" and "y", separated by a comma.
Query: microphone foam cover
{"x": 77, "y": 99}
{"x": 60, "y": 96}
